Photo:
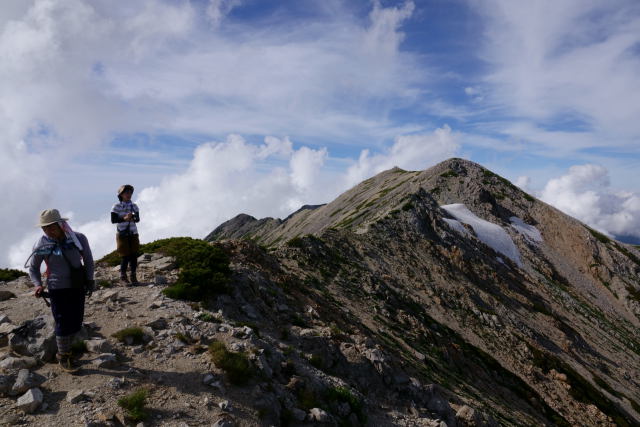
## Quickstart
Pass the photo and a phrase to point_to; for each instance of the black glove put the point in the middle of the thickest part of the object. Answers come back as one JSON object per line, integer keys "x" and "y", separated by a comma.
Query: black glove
{"x": 89, "y": 287}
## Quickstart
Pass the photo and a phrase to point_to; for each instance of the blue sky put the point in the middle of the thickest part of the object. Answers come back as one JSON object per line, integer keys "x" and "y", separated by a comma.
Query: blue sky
{"x": 212, "y": 108}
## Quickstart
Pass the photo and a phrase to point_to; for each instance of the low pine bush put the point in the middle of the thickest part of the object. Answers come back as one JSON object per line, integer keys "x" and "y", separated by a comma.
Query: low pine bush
{"x": 135, "y": 333}
{"x": 134, "y": 405}
{"x": 9, "y": 274}
{"x": 235, "y": 365}
{"x": 204, "y": 268}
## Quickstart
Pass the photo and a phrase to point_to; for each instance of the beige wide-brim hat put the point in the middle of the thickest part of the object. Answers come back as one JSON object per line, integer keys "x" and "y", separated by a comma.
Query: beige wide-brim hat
{"x": 50, "y": 216}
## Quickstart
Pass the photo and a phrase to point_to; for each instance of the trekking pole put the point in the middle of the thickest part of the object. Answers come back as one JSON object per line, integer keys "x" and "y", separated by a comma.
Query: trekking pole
{"x": 45, "y": 297}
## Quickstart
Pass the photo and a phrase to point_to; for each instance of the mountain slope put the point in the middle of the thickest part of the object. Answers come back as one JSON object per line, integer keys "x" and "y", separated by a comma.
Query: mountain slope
{"x": 547, "y": 334}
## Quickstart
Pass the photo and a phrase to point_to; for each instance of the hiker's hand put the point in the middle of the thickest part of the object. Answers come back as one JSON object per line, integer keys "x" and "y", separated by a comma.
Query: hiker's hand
{"x": 128, "y": 217}
{"x": 38, "y": 291}
{"x": 89, "y": 288}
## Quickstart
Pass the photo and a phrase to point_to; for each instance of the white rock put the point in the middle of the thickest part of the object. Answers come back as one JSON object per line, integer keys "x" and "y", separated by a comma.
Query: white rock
{"x": 208, "y": 379}
{"x": 30, "y": 401}
{"x": 105, "y": 360}
{"x": 225, "y": 405}
{"x": 317, "y": 414}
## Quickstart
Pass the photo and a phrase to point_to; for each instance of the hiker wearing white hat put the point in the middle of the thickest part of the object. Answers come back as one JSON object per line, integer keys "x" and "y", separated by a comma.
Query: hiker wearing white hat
{"x": 125, "y": 214}
{"x": 69, "y": 278}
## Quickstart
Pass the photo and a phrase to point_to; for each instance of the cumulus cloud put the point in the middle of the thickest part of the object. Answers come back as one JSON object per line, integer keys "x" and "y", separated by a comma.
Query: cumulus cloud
{"x": 585, "y": 193}
{"x": 269, "y": 179}
{"x": 411, "y": 152}
{"x": 524, "y": 182}
{"x": 74, "y": 74}
{"x": 272, "y": 178}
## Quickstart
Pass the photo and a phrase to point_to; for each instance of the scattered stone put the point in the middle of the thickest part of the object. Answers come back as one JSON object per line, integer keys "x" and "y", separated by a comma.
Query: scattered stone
{"x": 163, "y": 264}
{"x": 108, "y": 296}
{"x": 224, "y": 422}
{"x": 218, "y": 385}
{"x": 116, "y": 383}
{"x": 208, "y": 379}
{"x": 30, "y": 401}
{"x": 25, "y": 381}
{"x": 225, "y": 405}
{"x": 105, "y": 360}
{"x": 317, "y": 414}
{"x": 5, "y": 295}
{"x": 98, "y": 346}
{"x": 4, "y": 319}
{"x": 75, "y": 396}
{"x": 154, "y": 305}
{"x": 158, "y": 324}
{"x": 250, "y": 311}
{"x": 10, "y": 419}
{"x": 298, "y": 414}
{"x": 6, "y": 382}
{"x": 35, "y": 338}
{"x": 15, "y": 363}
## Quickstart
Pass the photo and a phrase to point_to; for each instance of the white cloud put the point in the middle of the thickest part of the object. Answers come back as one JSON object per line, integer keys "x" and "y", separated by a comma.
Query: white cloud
{"x": 74, "y": 74}
{"x": 270, "y": 179}
{"x": 411, "y": 152}
{"x": 585, "y": 193}
{"x": 524, "y": 182}
{"x": 565, "y": 63}
{"x": 218, "y": 9}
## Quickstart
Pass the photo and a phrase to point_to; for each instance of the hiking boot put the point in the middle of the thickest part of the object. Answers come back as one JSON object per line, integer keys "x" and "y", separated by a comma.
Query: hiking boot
{"x": 67, "y": 362}
{"x": 134, "y": 279}
{"x": 124, "y": 279}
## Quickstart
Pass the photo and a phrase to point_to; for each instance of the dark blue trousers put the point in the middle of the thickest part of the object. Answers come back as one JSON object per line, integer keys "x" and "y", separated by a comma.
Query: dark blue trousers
{"x": 67, "y": 306}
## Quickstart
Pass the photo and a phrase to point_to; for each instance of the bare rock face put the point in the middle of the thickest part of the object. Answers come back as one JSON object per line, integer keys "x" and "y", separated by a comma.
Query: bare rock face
{"x": 541, "y": 312}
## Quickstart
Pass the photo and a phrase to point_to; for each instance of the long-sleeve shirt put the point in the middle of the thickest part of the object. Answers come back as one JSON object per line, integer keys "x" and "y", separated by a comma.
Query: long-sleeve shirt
{"x": 118, "y": 212}
{"x": 59, "y": 273}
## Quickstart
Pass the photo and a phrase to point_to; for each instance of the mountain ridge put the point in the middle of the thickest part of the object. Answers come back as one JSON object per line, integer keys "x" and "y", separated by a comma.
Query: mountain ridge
{"x": 571, "y": 307}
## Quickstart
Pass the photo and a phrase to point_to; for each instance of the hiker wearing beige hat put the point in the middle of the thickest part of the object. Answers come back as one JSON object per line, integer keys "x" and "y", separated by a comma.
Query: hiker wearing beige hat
{"x": 69, "y": 278}
{"x": 125, "y": 214}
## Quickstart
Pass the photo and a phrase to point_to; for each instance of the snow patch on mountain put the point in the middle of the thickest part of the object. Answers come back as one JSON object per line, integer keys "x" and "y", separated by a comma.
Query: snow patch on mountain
{"x": 456, "y": 225}
{"x": 489, "y": 233}
{"x": 530, "y": 232}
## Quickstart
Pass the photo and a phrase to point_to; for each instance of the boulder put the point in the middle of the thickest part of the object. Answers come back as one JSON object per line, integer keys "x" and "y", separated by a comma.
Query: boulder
{"x": 162, "y": 264}
{"x": 26, "y": 380}
{"x": 105, "y": 360}
{"x": 158, "y": 324}
{"x": 36, "y": 338}
{"x": 5, "y": 295}
{"x": 30, "y": 401}
{"x": 4, "y": 319}
{"x": 15, "y": 363}
{"x": 107, "y": 296}
{"x": 98, "y": 345}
